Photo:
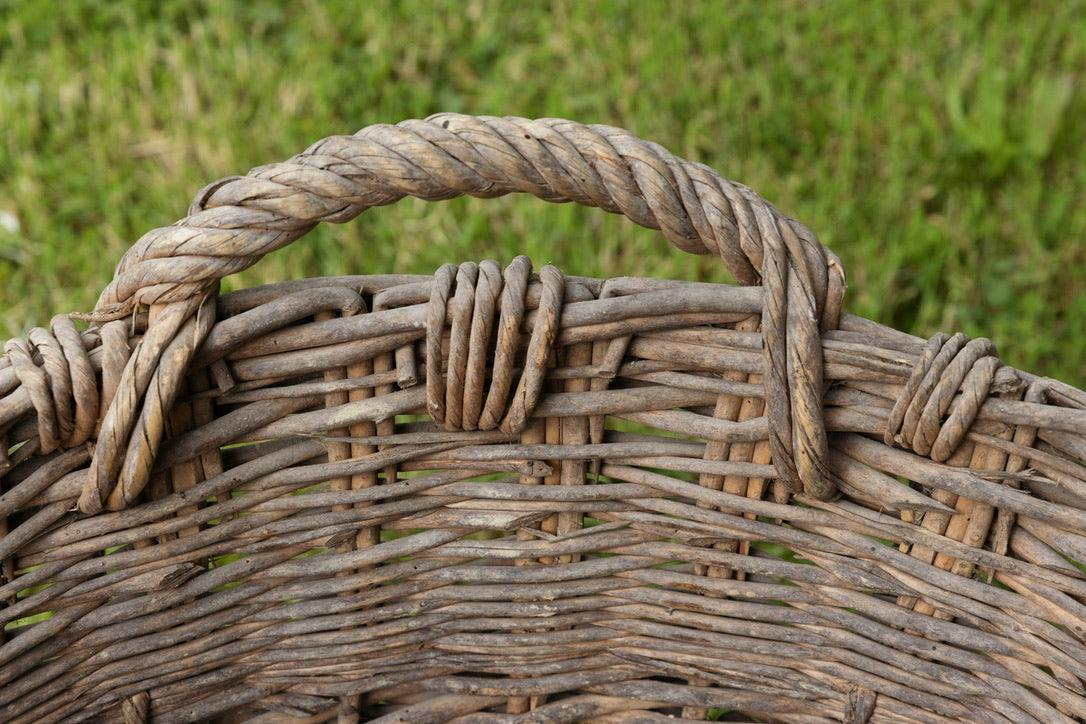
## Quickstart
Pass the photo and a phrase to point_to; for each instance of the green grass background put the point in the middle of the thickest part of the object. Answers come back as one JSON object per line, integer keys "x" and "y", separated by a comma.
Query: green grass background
{"x": 938, "y": 147}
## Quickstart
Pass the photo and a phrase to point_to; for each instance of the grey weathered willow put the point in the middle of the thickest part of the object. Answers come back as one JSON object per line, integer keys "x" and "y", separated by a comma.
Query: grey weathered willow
{"x": 493, "y": 495}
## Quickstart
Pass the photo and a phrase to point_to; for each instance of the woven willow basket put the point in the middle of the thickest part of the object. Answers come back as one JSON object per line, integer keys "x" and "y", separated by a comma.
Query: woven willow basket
{"x": 497, "y": 496}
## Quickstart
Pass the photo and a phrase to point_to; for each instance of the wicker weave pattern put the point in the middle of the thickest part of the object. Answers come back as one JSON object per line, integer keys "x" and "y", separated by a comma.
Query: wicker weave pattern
{"x": 493, "y": 496}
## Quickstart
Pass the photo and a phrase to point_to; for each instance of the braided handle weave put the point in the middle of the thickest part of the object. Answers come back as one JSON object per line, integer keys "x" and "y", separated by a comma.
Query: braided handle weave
{"x": 237, "y": 220}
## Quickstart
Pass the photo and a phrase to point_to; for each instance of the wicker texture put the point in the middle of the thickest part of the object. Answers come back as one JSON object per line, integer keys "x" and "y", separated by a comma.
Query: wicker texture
{"x": 493, "y": 495}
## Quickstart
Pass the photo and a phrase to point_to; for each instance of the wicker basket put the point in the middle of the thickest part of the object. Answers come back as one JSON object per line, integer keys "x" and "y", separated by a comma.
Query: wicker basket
{"x": 497, "y": 496}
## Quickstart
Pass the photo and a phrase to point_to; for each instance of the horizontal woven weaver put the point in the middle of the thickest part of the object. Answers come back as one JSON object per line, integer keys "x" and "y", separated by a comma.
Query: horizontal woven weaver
{"x": 495, "y": 494}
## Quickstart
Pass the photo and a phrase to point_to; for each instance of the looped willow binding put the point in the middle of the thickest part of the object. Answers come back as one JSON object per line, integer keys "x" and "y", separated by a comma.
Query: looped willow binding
{"x": 949, "y": 367}
{"x": 63, "y": 390}
{"x": 493, "y": 495}
{"x": 458, "y": 403}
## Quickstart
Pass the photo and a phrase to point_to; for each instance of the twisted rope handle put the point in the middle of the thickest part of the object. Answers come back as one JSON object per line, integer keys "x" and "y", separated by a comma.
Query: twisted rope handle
{"x": 237, "y": 220}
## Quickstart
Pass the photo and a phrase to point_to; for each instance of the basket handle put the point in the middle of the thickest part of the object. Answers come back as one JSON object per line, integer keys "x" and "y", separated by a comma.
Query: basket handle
{"x": 235, "y": 221}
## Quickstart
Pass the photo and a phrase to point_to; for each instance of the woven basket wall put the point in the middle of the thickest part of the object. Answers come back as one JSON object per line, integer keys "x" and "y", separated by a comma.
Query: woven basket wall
{"x": 499, "y": 495}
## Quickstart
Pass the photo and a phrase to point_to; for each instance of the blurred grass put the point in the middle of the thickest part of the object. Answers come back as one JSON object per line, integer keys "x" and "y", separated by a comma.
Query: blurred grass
{"x": 938, "y": 148}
